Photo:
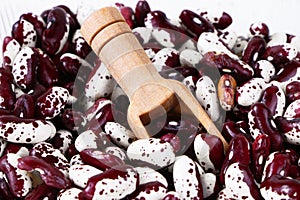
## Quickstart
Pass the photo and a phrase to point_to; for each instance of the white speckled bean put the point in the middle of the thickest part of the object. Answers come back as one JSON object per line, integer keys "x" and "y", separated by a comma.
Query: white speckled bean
{"x": 209, "y": 182}
{"x": 65, "y": 137}
{"x": 29, "y": 34}
{"x": 206, "y": 94}
{"x": 76, "y": 160}
{"x": 163, "y": 56}
{"x": 152, "y": 151}
{"x": 151, "y": 191}
{"x": 265, "y": 69}
{"x": 250, "y": 92}
{"x": 186, "y": 180}
{"x": 163, "y": 37}
{"x": 147, "y": 175}
{"x": 68, "y": 194}
{"x": 88, "y": 140}
{"x": 277, "y": 38}
{"x": 116, "y": 151}
{"x": 100, "y": 83}
{"x": 143, "y": 34}
{"x": 3, "y": 144}
{"x": 190, "y": 57}
{"x": 10, "y": 51}
{"x": 119, "y": 134}
{"x": 189, "y": 83}
{"x": 229, "y": 37}
{"x": 291, "y": 110}
{"x": 80, "y": 174}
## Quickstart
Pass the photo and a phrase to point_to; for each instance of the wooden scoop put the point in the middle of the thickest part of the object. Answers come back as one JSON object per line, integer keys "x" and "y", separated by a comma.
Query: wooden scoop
{"x": 113, "y": 41}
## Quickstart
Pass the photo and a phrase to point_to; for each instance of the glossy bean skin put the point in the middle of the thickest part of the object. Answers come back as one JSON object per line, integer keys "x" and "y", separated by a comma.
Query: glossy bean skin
{"x": 57, "y": 30}
{"x": 38, "y": 24}
{"x": 254, "y": 50}
{"x": 289, "y": 73}
{"x": 219, "y": 22}
{"x": 50, "y": 175}
{"x": 239, "y": 151}
{"x": 241, "y": 72}
{"x": 4, "y": 188}
{"x": 275, "y": 187}
{"x": 24, "y": 107}
{"x": 142, "y": 8}
{"x": 72, "y": 120}
{"x": 7, "y": 94}
{"x": 80, "y": 46}
{"x": 42, "y": 191}
{"x": 273, "y": 97}
{"x": 10, "y": 49}
{"x": 173, "y": 139}
{"x": 226, "y": 92}
{"x": 259, "y": 153}
{"x": 128, "y": 14}
{"x": 231, "y": 129}
{"x": 179, "y": 73}
{"x": 259, "y": 29}
{"x": 292, "y": 91}
{"x": 290, "y": 128}
{"x": 23, "y": 31}
{"x": 260, "y": 123}
{"x": 100, "y": 159}
{"x": 47, "y": 72}
{"x": 195, "y": 23}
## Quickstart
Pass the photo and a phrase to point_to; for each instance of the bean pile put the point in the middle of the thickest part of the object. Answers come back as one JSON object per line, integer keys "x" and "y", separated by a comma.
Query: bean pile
{"x": 63, "y": 128}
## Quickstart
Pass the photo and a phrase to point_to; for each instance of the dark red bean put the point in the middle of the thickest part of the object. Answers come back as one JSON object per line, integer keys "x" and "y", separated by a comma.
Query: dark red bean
{"x": 24, "y": 107}
{"x": 148, "y": 189}
{"x": 260, "y": 29}
{"x": 7, "y": 95}
{"x": 142, "y": 8}
{"x": 292, "y": 91}
{"x": 254, "y": 50}
{"x": 195, "y": 23}
{"x": 271, "y": 98}
{"x": 42, "y": 191}
{"x": 289, "y": 127}
{"x": 4, "y": 190}
{"x": 261, "y": 120}
{"x": 259, "y": 154}
{"x": 173, "y": 140}
{"x": 70, "y": 64}
{"x": 57, "y": 31}
{"x": 281, "y": 186}
{"x": 289, "y": 72}
{"x": 80, "y": 46}
{"x": 219, "y": 22}
{"x": 230, "y": 130}
{"x": 276, "y": 164}
{"x": 37, "y": 91}
{"x": 97, "y": 123}
{"x": 24, "y": 32}
{"x": 51, "y": 175}
{"x": 15, "y": 148}
{"x": 99, "y": 159}
{"x": 239, "y": 151}
{"x": 46, "y": 72}
{"x": 179, "y": 73}
{"x": 128, "y": 14}
{"x": 74, "y": 24}
{"x": 72, "y": 120}
{"x": 241, "y": 72}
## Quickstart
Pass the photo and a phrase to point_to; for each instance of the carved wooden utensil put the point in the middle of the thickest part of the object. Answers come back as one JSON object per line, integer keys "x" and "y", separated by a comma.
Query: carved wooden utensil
{"x": 150, "y": 95}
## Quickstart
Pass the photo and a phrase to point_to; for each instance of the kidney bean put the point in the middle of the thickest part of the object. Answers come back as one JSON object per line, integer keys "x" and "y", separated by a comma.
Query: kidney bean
{"x": 128, "y": 15}
{"x": 57, "y": 31}
{"x": 209, "y": 152}
{"x": 275, "y": 187}
{"x": 46, "y": 71}
{"x": 195, "y": 23}
{"x": 36, "y": 92}
{"x": 80, "y": 174}
{"x": 49, "y": 174}
{"x": 10, "y": 49}
{"x": 238, "y": 69}
{"x": 210, "y": 42}
{"x": 148, "y": 175}
{"x": 7, "y": 95}
{"x": 219, "y": 20}
{"x": 152, "y": 190}
{"x": 18, "y": 149}
{"x": 24, "y": 32}
{"x": 116, "y": 151}
{"x": 19, "y": 180}
{"x": 190, "y": 58}
{"x": 38, "y": 24}
{"x": 226, "y": 91}
{"x": 74, "y": 24}
{"x": 230, "y": 130}
{"x": 12, "y": 129}
{"x": 290, "y": 129}
{"x": 228, "y": 37}
{"x": 240, "y": 44}
{"x": 238, "y": 152}
{"x": 259, "y": 29}
{"x": 52, "y": 102}
{"x": 62, "y": 140}
{"x": 72, "y": 120}
{"x": 166, "y": 58}
{"x": 142, "y": 8}
{"x": 179, "y": 73}
{"x": 91, "y": 140}
{"x": 80, "y": 46}
{"x": 24, "y": 107}
{"x": 260, "y": 123}
{"x": 99, "y": 159}
{"x": 239, "y": 183}
{"x": 4, "y": 188}
{"x": 259, "y": 153}
{"x": 71, "y": 64}
{"x": 23, "y": 68}
{"x": 42, "y": 191}
{"x": 207, "y": 96}
{"x": 293, "y": 111}
{"x": 264, "y": 69}
{"x": 173, "y": 139}
{"x": 151, "y": 152}
{"x": 187, "y": 179}
{"x": 171, "y": 195}
{"x": 277, "y": 163}
{"x": 292, "y": 91}
{"x": 277, "y": 39}
{"x": 273, "y": 97}
{"x": 50, "y": 155}
{"x": 280, "y": 54}
{"x": 254, "y": 50}
{"x": 120, "y": 181}
{"x": 99, "y": 83}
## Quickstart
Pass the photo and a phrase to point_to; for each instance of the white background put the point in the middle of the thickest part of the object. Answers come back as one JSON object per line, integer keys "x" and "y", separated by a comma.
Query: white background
{"x": 279, "y": 15}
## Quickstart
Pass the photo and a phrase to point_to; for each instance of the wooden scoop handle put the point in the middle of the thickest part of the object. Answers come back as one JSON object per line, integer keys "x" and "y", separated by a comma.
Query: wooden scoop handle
{"x": 113, "y": 41}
